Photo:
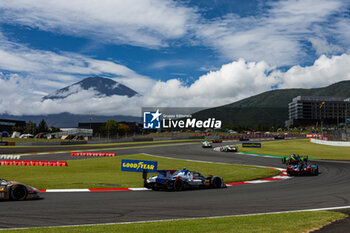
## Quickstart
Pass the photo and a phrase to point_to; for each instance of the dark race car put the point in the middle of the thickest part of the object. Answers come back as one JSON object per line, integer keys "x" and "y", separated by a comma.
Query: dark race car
{"x": 302, "y": 169}
{"x": 181, "y": 180}
{"x": 216, "y": 141}
{"x": 294, "y": 159}
{"x": 13, "y": 190}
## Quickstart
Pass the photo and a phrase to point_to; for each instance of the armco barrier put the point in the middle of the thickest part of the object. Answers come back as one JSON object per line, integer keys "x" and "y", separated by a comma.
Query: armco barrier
{"x": 33, "y": 163}
{"x": 95, "y": 154}
{"x": 142, "y": 139}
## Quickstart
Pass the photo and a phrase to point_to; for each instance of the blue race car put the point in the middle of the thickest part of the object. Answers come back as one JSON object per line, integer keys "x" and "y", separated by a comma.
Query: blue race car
{"x": 181, "y": 180}
{"x": 302, "y": 168}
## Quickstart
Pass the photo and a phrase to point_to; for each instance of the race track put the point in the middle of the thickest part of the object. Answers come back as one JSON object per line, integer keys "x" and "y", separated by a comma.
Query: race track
{"x": 330, "y": 189}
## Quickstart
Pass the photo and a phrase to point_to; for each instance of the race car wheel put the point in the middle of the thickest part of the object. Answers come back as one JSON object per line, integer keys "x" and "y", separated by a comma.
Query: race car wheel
{"x": 316, "y": 172}
{"x": 178, "y": 185}
{"x": 216, "y": 182}
{"x": 18, "y": 192}
{"x": 284, "y": 160}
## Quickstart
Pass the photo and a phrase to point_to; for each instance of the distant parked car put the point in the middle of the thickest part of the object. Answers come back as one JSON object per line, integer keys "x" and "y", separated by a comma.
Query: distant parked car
{"x": 5, "y": 134}
{"x": 26, "y": 136}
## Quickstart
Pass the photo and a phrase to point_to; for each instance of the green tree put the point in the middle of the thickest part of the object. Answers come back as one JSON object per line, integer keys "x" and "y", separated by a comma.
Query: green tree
{"x": 42, "y": 127}
{"x": 30, "y": 128}
{"x": 123, "y": 128}
{"x": 110, "y": 128}
{"x": 53, "y": 129}
{"x": 18, "y": 129}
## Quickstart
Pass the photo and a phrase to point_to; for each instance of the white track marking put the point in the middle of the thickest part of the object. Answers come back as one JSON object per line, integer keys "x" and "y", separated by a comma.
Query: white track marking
{"x": 66, "y": 190}
{"x": 139, "y": 189}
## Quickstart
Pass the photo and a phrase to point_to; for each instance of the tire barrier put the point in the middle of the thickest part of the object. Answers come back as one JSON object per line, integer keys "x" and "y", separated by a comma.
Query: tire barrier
{"x": 10, "y": 156}
{"x": 95, "y": 154}
{"x": 33, "y": 163}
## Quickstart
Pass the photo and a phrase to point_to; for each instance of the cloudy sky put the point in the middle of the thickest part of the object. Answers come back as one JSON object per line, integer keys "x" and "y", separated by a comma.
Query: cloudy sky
{"x": 175, "y": 53}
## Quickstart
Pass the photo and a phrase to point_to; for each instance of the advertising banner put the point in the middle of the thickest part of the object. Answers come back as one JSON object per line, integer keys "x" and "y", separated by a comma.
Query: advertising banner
{"x": 130, "y": 165}
{"x": 252, "y": 144}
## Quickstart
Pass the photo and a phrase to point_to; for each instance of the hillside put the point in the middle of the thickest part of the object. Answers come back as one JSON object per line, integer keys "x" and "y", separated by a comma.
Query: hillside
{"x": 102, "y": 86}
{"x": 269, "y": 108}
{"x": 68, "y": 120}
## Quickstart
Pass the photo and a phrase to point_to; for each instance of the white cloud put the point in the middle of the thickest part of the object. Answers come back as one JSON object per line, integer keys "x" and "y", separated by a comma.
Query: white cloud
{"x": 48, "y": 71}
{"x": 342, "y": 32}
{"x": 278, "y": 35}
{"x": 254, "y": 44}
{"x": 322, "y": 46}
{"x": 148, "y": 23}
{"x": 324, "y": 71}
{"x": 232, "y": 82}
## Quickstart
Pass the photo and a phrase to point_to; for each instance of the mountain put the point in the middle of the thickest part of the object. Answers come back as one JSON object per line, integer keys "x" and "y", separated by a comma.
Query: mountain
{"x": 103, "y": 86}
{"x": 268, "y": 108}
{"x": 68, "y": 120}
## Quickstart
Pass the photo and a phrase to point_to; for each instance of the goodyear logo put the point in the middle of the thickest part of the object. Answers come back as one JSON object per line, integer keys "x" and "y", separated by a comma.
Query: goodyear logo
{"x": 130, "y": 165}
{"x": 252, "y": 144}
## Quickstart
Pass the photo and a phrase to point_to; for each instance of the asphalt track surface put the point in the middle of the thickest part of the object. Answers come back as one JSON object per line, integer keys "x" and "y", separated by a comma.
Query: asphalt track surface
{"x": 330, "y": 189}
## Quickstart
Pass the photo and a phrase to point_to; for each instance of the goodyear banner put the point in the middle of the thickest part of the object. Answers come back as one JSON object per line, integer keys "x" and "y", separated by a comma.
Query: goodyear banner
{"x": 130, "y": 165}
{"x": 252, "y": 144}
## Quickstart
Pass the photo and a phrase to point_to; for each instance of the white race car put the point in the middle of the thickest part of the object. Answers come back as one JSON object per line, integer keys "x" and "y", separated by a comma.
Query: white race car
{"x": 229, "y": 148}
{"x": 13, "y": 190}
{"x": 206, "y": 144}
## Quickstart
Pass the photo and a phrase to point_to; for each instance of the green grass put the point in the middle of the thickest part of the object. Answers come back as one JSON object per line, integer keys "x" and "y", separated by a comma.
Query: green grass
{"x": 102, "y": 148}
{"x": 269, "y": 223}
{"x": 88, "y": 173}
{"x": 301, "y": 147}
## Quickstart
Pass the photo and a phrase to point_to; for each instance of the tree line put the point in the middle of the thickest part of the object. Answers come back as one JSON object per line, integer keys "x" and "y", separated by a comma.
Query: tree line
{"x": 32, "y": 128}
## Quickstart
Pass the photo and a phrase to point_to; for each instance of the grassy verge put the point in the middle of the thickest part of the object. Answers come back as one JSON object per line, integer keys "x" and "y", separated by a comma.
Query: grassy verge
{"x": 89, "y": 173}
{"x": 269, "y": 223}
{"x": 301, "y": 147}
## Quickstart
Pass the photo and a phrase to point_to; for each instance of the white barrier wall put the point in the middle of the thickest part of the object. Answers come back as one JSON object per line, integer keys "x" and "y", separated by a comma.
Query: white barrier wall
{"x": 10, "y": 156}
{"x": 330, "y": 143}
